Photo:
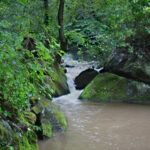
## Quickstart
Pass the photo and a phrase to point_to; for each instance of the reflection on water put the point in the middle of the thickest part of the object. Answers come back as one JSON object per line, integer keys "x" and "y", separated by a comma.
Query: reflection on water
{"x": 113, "y": 126}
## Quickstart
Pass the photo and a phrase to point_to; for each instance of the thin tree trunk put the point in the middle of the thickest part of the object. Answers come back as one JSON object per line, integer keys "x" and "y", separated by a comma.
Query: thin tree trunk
{"x": 46, "y": 16}
{"x": 63, "y": 43}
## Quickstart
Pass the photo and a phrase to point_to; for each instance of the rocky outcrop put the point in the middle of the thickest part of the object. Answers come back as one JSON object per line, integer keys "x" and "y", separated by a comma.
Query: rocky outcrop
{"x": 107, "y": 87}
{"x": 135, "y": 66}
{"x": 84, "y": 78}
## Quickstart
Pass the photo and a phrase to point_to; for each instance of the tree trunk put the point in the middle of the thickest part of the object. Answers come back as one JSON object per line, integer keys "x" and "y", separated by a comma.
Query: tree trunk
{"x": 46, "y": 16}
{"x": 63, "y": 43}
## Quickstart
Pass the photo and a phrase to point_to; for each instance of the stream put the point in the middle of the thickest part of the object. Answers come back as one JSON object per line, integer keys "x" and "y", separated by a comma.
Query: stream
{"x": 99, "y": 126}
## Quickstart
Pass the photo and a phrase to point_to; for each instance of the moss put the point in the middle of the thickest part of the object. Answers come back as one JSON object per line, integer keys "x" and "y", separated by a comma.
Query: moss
{"x": 28, "y": 142}
{"x": 12, "y": 139}
{"x": 3, "y": 132}
{"x": 60, "y": 117}
{"x": 24, "y": 144}
{"x": 109, "y": 87}
{"x": 23, "y": 120}
{"x": 6, "y": 134}
{"x": 47, "y": 128}
{"x": 41, "y": 105}
{"x": 36, "y": 109}
{"x": 25, "y": 140}
{"x": 31, "y": 117}
{"x": 51, "y": 117}
{"x": 105, "y": 88}
{"x": 59, "y": 81}
{"x": 55, "y": 82}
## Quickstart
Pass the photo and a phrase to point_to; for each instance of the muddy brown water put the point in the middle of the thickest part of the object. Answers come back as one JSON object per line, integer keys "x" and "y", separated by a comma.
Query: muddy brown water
{"x": 103, "y": 126}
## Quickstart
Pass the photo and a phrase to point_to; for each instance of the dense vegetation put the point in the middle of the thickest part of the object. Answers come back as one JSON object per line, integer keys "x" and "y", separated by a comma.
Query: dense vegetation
{"x": 102, "y": 26}
{"x": 30, "y": 33}
{"x": 27, "y": 56}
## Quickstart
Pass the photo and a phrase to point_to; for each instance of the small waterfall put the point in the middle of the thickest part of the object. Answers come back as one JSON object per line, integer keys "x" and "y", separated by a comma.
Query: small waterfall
{"x": 74, "y": 68}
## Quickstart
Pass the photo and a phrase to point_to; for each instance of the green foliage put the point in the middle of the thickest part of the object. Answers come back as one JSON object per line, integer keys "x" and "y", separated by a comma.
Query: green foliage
{"x": 27, "y": 51}
{"x": 100, "y": 26}
{"x": 28, "y": 141}
{"x": 14, "y": 76}
{"x": 23, "y": 1}
{"x": 95, "y": 27}
{"x": 22, "y": 73}
{"x": 75, "y": 37}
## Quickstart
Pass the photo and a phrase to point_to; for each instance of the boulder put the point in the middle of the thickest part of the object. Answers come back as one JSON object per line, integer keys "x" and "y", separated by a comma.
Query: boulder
{"x": 55, "y": 82}
{"x": 49, "y": 118}
{"x": 135, "y": 66}
{"x": 108, "y": 87}
{"x": 84, "y": 78}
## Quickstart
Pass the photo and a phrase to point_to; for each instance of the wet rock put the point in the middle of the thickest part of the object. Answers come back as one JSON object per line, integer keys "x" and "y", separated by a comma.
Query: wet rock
{"x": 49, "y": 118}
{"x": 129, "y": 65}
{"x": 69, "y": 66}
{"x": 84, "y": 78}
{"x": 107, "y": 87}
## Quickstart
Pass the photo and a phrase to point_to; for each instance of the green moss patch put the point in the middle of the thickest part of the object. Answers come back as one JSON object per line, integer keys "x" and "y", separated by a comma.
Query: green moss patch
{"x": 47, "y": 128}
{"x": 28, "y": 141}
{"x": 108, "y": 87}
{"x": 59, "y": 81}
{"x": 60, "y": 117}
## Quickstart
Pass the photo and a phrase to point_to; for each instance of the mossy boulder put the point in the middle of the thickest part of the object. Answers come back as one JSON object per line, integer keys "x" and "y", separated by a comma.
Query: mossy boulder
{"x": 49, "y": 117}
{"x": 59, "y": 81}
{"x": 56, "y": 83}
{"x": 107, "y": 87}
